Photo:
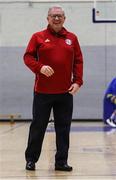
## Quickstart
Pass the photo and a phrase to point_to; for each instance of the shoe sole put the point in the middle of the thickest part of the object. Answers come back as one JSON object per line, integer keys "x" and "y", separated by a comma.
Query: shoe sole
{"x": 58, "y": 169}
{"x": 30, "y": 169}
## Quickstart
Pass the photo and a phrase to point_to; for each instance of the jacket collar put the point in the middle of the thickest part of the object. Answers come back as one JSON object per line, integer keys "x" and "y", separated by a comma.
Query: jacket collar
{"x": 61, "y": 33}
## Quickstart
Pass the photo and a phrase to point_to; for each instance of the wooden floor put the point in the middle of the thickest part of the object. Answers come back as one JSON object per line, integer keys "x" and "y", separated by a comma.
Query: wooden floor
{"x": 92, "y": 153}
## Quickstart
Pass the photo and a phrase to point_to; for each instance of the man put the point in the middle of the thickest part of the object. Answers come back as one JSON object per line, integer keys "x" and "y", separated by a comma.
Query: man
{"x": 54, "y": 55}
{"x": 109, "y": 112}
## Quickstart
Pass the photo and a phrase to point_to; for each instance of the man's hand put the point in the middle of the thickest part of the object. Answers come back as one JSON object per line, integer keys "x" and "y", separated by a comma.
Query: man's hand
{"x": 47, "y": 71}
{"x": 73, "y": 88}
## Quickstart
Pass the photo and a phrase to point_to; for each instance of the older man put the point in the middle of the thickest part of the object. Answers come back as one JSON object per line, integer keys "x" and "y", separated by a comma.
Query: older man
{"x": 54, "y": 55}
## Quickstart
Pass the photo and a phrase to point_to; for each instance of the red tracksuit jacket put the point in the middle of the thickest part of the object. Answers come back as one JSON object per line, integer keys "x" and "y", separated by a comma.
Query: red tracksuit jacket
{"x": 62, "y": 52}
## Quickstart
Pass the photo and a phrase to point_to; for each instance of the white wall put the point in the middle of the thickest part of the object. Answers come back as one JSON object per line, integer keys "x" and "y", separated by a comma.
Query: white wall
{"x": 18, "y": 21}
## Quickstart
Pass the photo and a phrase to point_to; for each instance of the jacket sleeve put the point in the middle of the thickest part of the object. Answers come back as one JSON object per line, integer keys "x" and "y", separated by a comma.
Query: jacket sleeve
{"x": 111, "y": 89}
{"x": 78, "y": 64}
{"x": 30, "y": 56}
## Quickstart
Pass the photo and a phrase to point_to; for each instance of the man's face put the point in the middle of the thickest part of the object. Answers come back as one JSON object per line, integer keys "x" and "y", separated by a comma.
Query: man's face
{"x": 56, "y": 19}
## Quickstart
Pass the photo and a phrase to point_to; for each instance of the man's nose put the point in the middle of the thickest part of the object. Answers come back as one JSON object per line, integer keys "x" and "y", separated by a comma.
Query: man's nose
{"x": 56, "y": 17}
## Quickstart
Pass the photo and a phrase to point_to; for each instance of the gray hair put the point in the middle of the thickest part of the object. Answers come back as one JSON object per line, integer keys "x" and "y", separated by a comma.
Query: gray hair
{"x": 57, "y": 7}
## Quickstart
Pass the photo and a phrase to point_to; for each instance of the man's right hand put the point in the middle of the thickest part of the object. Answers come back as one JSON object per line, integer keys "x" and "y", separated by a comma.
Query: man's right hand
{"x": 47, "y": 70}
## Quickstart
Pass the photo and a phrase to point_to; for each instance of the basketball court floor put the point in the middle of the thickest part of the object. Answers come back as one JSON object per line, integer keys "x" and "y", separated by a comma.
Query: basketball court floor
{"x": 92, "y": 153}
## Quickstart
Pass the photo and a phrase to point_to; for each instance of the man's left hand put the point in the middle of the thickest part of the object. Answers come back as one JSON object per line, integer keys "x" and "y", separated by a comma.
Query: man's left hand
{"x": 73, "y": 88}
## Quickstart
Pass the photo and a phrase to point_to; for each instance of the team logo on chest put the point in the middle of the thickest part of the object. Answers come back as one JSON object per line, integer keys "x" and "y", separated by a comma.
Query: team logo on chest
{"x": 68, "y": 41}
{"x": 47, "y": 40}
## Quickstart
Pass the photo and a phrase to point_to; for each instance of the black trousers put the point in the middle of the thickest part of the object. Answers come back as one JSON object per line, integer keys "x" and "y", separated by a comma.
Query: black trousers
{"x": 62, "y": 105}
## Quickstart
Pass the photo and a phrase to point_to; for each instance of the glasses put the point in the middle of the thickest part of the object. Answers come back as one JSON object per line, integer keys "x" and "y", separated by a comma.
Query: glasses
{"x": 59, "y": 16}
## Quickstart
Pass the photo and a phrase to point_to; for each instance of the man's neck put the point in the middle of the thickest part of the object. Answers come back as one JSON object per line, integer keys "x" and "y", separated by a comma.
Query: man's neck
{"x": 56, "y": 30}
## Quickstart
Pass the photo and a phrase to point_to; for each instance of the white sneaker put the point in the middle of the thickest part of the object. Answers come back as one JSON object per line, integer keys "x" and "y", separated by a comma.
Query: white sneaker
{"x": 111, "y": 122}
